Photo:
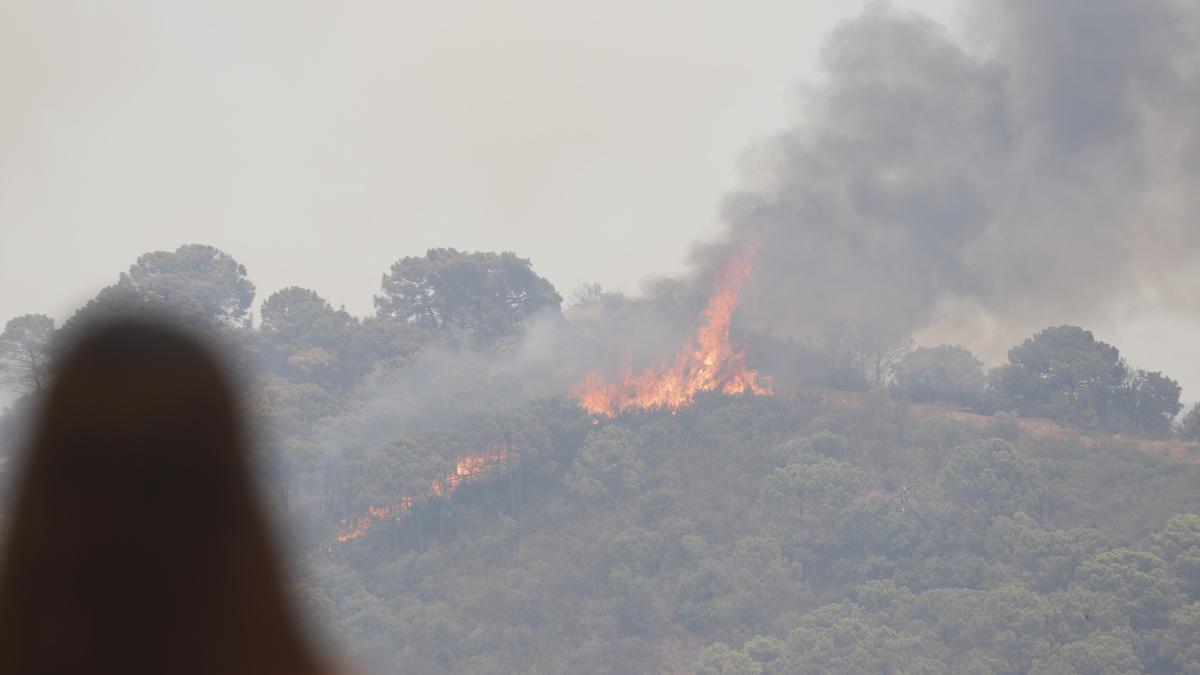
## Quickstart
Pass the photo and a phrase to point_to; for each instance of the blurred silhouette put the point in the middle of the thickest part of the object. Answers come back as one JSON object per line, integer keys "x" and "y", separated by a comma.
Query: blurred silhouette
{"x": 136, "y": 543}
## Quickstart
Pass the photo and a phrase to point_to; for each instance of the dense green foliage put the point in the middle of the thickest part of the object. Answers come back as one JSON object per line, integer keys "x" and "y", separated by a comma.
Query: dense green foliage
{"x": 198, "y": 280}
{"x": 785, "y": 534}
{"x": 1065, "y": 374}
{"x": 769, "y": 536}
{"x": 488, "y": 295}
{"x": 947, "y": 373}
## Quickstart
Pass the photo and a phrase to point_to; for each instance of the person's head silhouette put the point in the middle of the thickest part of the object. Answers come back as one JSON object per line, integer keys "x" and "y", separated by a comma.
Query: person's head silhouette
{"x": 135, "y": 542}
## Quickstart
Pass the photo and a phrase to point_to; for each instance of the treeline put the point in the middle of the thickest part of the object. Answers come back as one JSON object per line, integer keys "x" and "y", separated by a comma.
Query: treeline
{"x": 738, "y": 535}
{"x": 476, "y": 300}
{"x": 307, "y": 366}
{"x": 329, "y": 388}
{"x": 1062, "y": 373}
{"x": 484, "y": 298}
{"x": 483, "y": 301}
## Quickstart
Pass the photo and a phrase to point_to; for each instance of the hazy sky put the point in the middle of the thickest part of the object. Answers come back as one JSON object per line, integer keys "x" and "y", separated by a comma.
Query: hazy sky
{"x": 318, "y": 142}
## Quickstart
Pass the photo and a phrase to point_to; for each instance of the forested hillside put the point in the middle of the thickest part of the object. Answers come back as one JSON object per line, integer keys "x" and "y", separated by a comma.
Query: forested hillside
{"x": 869, "y": 507}
{"x": 747, "y": 535}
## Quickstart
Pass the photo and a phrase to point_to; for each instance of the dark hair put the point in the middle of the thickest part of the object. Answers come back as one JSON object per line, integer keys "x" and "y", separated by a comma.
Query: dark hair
{"x": 136, "y": 543}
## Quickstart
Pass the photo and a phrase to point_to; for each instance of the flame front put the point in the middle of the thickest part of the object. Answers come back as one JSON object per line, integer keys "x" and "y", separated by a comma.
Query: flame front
{"x": 467, "y": 469}
{"x": 707, "y": 363}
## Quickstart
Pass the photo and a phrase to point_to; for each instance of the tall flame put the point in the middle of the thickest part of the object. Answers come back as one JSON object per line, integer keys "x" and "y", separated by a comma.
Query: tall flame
{"x": 707, "y": 363}
{"x": 467, "y": 469}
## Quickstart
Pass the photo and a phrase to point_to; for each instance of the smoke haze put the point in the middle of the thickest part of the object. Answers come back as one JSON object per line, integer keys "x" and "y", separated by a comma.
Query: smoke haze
{"x": 975, "y": 195}
{"x": 973, "y": 183}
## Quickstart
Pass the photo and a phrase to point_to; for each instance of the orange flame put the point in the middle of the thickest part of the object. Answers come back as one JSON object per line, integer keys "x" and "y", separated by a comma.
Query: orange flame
{"x": 712, "y": 365}
{"x": 468, "y": 469}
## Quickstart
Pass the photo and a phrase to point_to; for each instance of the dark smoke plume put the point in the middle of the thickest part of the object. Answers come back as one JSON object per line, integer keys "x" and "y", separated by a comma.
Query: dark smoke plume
{"x": 1042, "y": 171}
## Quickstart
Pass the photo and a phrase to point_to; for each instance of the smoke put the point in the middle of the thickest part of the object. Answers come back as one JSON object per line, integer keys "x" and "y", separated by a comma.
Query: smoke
{"x": 440, "y": 388}
{"x": 1041, "y": 171}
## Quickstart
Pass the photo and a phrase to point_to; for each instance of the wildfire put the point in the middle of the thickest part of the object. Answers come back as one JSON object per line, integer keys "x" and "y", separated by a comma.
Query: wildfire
{"x": 706, "y": 363}
{"x": 467, "y": 469}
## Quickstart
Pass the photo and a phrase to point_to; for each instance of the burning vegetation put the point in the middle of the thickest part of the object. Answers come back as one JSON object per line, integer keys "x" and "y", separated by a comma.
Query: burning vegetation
{"x": 468, "y": 469}
{"x": 709, "y": 362}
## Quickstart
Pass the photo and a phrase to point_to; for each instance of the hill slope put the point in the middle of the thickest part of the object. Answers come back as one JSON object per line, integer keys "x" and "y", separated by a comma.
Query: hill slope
{"x": 776, "y": 535}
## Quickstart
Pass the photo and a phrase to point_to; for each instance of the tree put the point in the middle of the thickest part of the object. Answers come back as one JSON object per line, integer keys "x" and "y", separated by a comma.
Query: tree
{"x": 1190, "y": 427}
{"x": 1153, "y": 403}
{"x": 880, "y": 349}
{"x": 193, "y": 278}
{"x": 288, "y": 411}
{"x": 1101, "y": 654}
{"x": 112, "y": 301}
{"x": 198, "y": 286}
{"x": 719, "y": 659}
{"x": 1063, "y": 373}
{"x": 741, "y": 588}
{"x": 633, "y": 605}
{"x": 1139, "y": 583}
{"x": 588, "y": 293}
{"x": 804, "y": 505}
{"x": 490, "y": 295}
{"x": 1178, "y": 544}
{"x": 1180, "y": 644}
{"x": 24, "y": 351}
{"x": 306, "y": 339}
{"x": 987, "y": 478}
{"x": 947, "y": 373}
{"x": 608, "y": 465}
{"x": 1044, "y": 560}
{"x": 301, "y": 317}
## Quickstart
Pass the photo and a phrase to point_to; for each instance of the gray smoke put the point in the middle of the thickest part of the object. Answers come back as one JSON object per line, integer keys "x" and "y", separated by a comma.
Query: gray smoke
{"x": 1042, "y": 172}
